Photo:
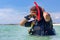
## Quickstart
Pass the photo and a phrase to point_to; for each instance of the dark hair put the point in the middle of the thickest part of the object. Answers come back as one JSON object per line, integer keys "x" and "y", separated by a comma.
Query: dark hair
{"x": 35, "y": 9}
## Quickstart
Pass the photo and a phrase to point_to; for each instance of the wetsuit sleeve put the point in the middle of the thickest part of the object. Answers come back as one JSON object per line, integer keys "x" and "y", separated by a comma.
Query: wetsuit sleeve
{"x": 51, "y": 24}
{"x": 28, "y": 24}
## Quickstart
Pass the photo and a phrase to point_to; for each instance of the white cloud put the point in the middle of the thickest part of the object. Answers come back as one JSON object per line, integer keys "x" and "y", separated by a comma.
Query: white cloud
{"x": 8, "y": 15}
{"x": 55, "y": 15}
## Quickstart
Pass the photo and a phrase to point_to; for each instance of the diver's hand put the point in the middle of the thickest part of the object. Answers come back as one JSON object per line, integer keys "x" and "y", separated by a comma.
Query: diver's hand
{"x": 46, "y": 16}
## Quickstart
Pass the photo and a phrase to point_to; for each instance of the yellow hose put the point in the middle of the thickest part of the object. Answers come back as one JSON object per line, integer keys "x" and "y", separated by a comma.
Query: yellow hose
{"x": 32, "y": 24}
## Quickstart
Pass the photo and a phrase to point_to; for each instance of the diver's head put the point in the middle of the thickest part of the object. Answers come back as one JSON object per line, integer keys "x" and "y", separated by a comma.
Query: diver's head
{"x": 34, "y": 11}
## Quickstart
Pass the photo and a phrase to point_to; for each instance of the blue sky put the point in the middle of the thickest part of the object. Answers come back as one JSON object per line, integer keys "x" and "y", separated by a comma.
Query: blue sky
{"x": 12, "y": 11}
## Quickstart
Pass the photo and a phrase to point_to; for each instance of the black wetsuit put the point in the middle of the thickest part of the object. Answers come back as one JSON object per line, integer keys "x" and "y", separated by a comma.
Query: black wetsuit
{"x": 41, "y": 27}
{"x": 46, "y": 28}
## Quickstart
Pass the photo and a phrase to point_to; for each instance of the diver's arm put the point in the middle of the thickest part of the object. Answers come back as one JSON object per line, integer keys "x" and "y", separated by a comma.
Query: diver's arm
{"x": 23, "y": 22}
{"x": 28, "y": 24}
{"x": 46, "y": 16}
{"x": 26, "y": 18}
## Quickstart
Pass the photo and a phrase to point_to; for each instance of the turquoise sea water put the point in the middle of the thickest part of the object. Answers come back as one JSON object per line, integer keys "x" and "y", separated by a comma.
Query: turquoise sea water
{"x": 16, "y": 32}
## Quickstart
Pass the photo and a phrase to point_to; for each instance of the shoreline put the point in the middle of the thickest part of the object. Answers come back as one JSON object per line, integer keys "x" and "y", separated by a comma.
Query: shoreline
{"x": 18, "y": 24}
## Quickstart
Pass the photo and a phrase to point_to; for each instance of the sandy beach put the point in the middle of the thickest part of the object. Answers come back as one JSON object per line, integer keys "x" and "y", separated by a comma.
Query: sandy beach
{"x": 56, "y": 24}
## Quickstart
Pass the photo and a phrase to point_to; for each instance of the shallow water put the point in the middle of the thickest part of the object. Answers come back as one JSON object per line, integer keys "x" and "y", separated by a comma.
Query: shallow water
{"x": 16, "y": 32}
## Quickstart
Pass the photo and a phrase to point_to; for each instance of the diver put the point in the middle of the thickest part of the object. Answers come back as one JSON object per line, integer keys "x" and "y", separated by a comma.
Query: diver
{"x": 42, "y": 27}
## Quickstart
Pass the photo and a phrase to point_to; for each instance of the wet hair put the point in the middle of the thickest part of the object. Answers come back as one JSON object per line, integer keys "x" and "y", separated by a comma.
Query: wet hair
{"x": 35, "y": 9}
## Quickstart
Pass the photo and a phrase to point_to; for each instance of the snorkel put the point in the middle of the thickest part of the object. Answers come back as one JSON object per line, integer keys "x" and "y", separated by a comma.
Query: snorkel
{"x": 38, "y": 10}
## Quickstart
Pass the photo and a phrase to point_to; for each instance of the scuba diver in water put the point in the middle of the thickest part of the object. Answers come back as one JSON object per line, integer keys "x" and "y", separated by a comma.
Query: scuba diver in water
{"x": 42, "y": 27}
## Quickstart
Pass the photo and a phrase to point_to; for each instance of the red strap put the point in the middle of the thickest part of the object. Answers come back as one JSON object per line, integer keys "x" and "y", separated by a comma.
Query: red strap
{"x": 38, "y": 16}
